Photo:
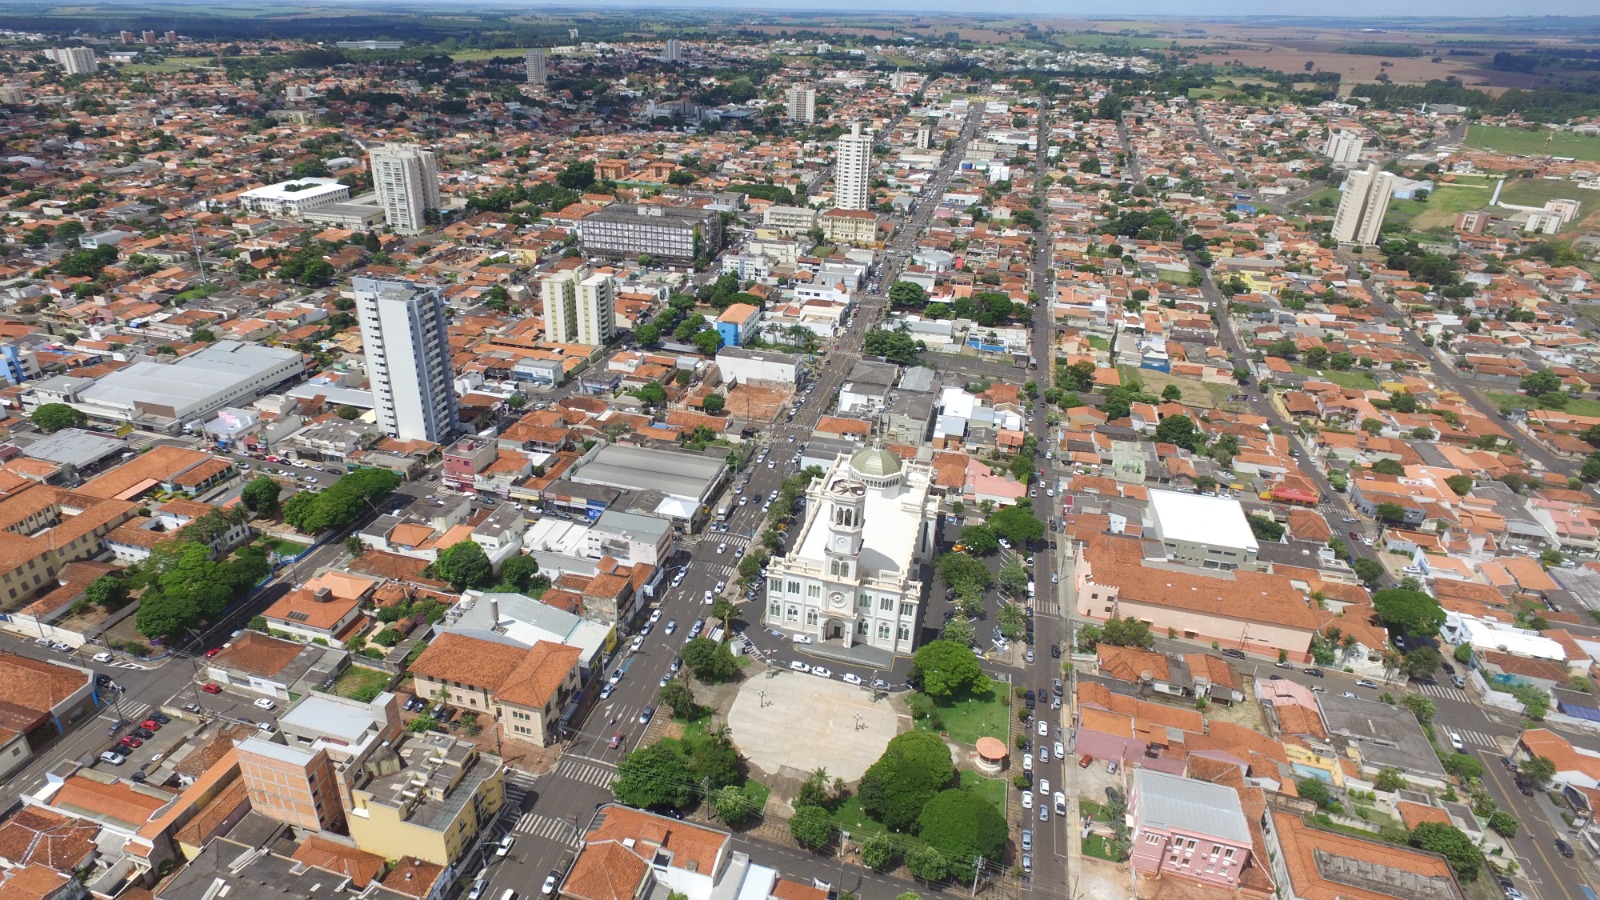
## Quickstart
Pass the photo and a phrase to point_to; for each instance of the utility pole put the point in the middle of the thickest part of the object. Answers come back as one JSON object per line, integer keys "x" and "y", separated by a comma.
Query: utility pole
{"x": 977, "y": 871}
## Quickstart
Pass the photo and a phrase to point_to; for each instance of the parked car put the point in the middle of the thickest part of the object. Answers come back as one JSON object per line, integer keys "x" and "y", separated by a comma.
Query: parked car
{"x": 550, "y": 883}
{"x": 1563, "y": 848}
{"x": 1364, "y": 683}
{"x": 210, "y": 688}
{"x": 265, "y": 703}
{"x": 1313, "y": 672}
{"x": 504, "y": 847}
{"x": 1234, "y": 654}
{"x": 102, "y": 657}
{"x": 852, "y": 678}
{"x": 113, "y": 757}
{"x": 1085, "y": 761}
{"x": 799, "y": 666}
{"x": 822, "y": 672}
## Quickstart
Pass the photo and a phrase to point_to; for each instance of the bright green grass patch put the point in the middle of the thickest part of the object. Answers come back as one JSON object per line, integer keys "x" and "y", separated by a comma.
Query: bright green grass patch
{"x": 1353, "y": 379}
{"x": 1535, "y": 191}
{"x": 990, "y": 789}
{"x": 1582, "y": 406}
{"x": 1095, "y": 845}
{"x": 362, "y": 684}
{"x": 1542, "y": 142}
{"x": 973, "y": 717}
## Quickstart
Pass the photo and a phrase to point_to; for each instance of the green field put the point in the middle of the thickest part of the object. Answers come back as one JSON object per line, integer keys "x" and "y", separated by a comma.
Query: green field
{"x": 1446, "y": 201}
{"x": 362, "y": 684}
{"x": 480, "y": 55}
{"x": 1355, "y": 380}
{"x": 990, "y": 789}
{"x": 1542, "y": 142}
{"x": 171, "y": 64}
{"x": 971, "y": 718}
{"x": 1535, "y": 191}
{"x": 1580, "y": 407}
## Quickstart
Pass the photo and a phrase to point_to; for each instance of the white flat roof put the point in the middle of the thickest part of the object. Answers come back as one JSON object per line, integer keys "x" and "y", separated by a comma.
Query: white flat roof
{"x": 889, "y": 540}
{"x": 297, "y": 189}
{"x": 1202, "y": 519}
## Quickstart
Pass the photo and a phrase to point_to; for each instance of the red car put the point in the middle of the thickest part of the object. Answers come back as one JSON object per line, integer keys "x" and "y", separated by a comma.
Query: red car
{"x": 616, "y": 740}
{"x": 130, "y": 742}
{"x": 211, "y": 689}
{"x": 151, "y": 724}
{"x": 213, "y": 652}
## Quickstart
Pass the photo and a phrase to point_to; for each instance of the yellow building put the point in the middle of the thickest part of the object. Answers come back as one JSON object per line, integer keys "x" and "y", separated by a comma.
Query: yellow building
{"x": 428, "y": 797}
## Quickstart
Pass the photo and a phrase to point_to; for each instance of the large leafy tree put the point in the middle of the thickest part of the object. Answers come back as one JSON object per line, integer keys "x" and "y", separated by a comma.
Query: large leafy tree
{"x": 163, "y": 616}
{"x": 946, "y": 670}
{"x": 716, "y": 762}
{"x": 979, "y": 539}
{"x": 52, "y": 417}
{"x": 1179, "y": 431}
{"x": 1541, "y": 382}
{"x": 811, "y": 827}
{"x": 709, "y": 661}
{"x": 1453, "y": 844}
{"x": 1128, "y": 632}
{"x": 107, "y": 592}
{"x": 260, "y": 496}
{"x": 964, "y": 573}
{"x": 1411, "y": 612}
{"x": 963, "y": 826}
{"x": 464, "y": 565}
{"x": 913, "y": 768}
{"x": 732, "y": 805}
{"x": 518, "y": 572}
{"x": 907, "y": 293}
{"x": 654, "y": 777}
{"x": 1016, "y": 524}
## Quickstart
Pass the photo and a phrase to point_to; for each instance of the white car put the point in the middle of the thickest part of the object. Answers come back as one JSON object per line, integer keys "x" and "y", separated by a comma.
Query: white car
{"x": 638, "y": 641}
{"x": 265, "y": 703}
{"x": 822, "y": 672}
{"x": 1061, "y": 751}
{"x": 722, "y": 548}
{"x": 799, "y": 666}
{"x": 722, "y": 586}
{"x": 802, "y": 639}
{"x": 852, "y": 678}
{"x": 1044, "y": 787}
{"x": 1027, "y": 800}
{"x": 655, "y": 616}
{"x": 102, "y": 657}
{"x": 1027, "y": 762}
{"x": 1044, "y": 728}
{"x": 708, "y": 596}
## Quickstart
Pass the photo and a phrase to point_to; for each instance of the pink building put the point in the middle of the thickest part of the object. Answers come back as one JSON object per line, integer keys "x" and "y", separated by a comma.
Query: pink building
{"x": 465, "y": 459}
{"x": 1188, "y": 829}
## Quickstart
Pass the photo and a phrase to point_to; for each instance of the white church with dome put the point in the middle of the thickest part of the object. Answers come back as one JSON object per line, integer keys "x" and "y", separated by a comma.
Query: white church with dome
{"x": 851, "y": 575}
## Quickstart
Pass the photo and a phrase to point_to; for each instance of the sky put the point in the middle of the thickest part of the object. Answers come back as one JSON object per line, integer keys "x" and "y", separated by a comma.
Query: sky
{"x": 1186, "y": 8}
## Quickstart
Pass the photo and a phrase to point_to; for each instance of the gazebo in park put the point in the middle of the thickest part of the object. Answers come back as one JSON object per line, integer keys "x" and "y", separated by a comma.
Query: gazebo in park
{"x": 991, "y": 755}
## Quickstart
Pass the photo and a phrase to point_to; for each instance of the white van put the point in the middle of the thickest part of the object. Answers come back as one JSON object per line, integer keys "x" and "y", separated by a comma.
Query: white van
{"x": 1455, "y": 742}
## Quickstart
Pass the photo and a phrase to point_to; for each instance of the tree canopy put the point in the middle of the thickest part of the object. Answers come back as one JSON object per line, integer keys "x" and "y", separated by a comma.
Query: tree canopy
{"x": 913, "y": 768}
{"x": 464, "y": 565}
{"x": 946, "y": 670}
{"x": 1465, "y": 859}
{"x": 963, "y": 826}
{"x": 52, "y": 417}
{"x": 339, "y": 506}
{"x": 979, "y": 539}
{"x": 708, "y": 660}
{"x": 1180, "y": 431}
{"x": 260, "y": 496}
{"x": 654, "y": 777}
{"x": 1411, "y": 612}
{"x": 1016, "y": 524}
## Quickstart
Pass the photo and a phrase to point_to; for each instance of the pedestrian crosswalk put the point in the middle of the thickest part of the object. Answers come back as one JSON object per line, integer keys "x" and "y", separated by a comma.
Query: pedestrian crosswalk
{"x": 1479, "y": 738}
{"x": 547, "y": 827}
{"x": 588, "y": 773}
{"x": 1442, "y": 691}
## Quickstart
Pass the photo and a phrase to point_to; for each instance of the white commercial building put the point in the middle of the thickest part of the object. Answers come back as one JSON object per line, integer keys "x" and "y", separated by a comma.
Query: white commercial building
{"x": 537, "y": 72}
{"x": 1363, "y": 206}
{"x": 741, "y": 365}
{"x": 851, "y": 575}
{"x": 405, "y": 331}
{"x": 1202, "y": 531}
{"x": 800, "y": 102}
{"x": 158, "y": 395}
{"x": 852, "y": 166}
{"x": 74, "y": 60}
{"x": 293, "y": 199}
{"x": 789, "y": 220}
{"x": 407, "y": 181}
{"x": 1344, "y": 147}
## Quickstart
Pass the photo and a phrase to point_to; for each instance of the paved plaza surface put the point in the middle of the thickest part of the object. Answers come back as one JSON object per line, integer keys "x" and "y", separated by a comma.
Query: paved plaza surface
{"x": 793, "y": 723}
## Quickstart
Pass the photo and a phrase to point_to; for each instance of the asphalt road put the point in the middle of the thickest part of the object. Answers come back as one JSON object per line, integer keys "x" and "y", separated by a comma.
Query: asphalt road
{"x": 546, "y": 810}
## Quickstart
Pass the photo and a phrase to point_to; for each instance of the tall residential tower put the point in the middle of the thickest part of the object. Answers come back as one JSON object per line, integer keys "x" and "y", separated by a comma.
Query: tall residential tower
{"x": 536, "y": 67}
{"x": 407, "y": 181}
{"x": 1361, "y": 209}
{"x": 852, "y": 169}
{"x": 801, "y": 104}
{"x": 405, "y": 330}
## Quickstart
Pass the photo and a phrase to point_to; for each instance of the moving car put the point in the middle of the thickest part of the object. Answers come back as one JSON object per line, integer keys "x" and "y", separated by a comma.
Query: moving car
{"x": 645, "y": 714}
{"x": 1044, "y": 728}
{"x": 799, "y": 666}
{"x": 265, "y": 703}
{"x": 504, "y": 846}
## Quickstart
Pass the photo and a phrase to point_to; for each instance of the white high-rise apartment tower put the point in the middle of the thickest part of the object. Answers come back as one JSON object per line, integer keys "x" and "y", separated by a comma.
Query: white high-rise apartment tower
{"x": 674, "y": 51}
{"x": 74, "y": 60}
{"x": 852, "y": 169}
{"x": 405, "y": 331}
{"x": 801, "y": 104}
{"x": 1362, "y": 208}
{"x": 407, "y": 182}
{"x": 579, "y": 307}
{"x": 1344, "y": 147}
{"x": 536, "y": 68}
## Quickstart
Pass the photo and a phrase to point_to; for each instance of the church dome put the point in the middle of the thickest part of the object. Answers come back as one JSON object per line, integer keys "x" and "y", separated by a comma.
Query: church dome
{"x": 875, "y": 463}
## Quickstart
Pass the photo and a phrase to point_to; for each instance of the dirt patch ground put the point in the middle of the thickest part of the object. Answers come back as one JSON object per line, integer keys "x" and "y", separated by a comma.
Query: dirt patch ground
{"x": 755, "y": 403}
